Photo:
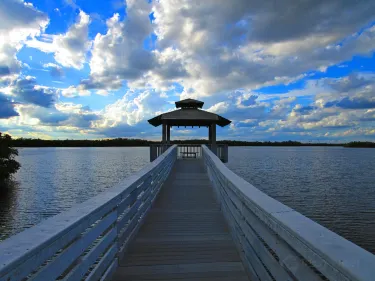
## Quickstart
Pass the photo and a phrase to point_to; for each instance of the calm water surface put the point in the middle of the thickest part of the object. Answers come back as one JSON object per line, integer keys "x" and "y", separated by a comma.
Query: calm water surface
{"x": 334, "y": 186}
{"x": 331, "y": 185}
{"x": 53, "y": 179}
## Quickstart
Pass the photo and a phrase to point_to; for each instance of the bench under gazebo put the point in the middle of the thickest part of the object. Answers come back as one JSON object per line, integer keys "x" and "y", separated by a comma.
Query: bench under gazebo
{"x": 189, "y": 113}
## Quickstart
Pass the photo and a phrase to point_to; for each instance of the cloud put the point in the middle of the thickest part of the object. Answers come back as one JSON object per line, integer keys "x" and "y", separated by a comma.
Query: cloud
{"x": 352, "y": 103}
{"x": 67, "y": 116}
{"x": 25, "y": 90}
{"x": 6, "y": 107}
{"x": 232, "y": 48}
{"x": 251, "y": 20}
{"x": 69, "y": 49}
{"x": 304, "y": 110}
{"x": 131, "y": 109}
{"x": 19, "y": 21}
{"x": 247, "y": 44}
{"x": 119, "y": 54}
{"x": 73, "y": 91}
{"x": 55, "y": 70}
{"x": 219, "y": 108}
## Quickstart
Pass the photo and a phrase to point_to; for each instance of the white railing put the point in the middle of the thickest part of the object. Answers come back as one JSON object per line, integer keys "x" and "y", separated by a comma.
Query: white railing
{"x": 278, "y": 243}
{"x": 221, "y": 151}
{"x": 157, "y": 149}
{"x": 86, "y": 241}
{"x": 189, "y": 151}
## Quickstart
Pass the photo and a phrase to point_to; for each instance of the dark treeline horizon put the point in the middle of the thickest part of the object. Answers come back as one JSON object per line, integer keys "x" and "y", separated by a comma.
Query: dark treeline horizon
{"x": 128, "y": 142}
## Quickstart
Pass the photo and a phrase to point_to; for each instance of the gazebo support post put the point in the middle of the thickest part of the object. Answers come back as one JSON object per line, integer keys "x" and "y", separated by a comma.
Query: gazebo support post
{"x": 164, "y": 134}
{"x": 168, "y": 134}
{"x": 213, "y": 138}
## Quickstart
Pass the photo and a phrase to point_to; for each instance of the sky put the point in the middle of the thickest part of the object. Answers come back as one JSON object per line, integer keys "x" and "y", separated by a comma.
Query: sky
{"x": 280, "y": 70}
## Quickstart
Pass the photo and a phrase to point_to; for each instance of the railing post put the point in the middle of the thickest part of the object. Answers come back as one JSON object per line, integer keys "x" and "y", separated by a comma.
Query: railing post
{"x": 225, "y": 153}
{"x": 153, "y": 152}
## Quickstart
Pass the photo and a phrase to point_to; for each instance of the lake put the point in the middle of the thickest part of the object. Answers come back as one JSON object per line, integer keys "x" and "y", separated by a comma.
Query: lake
{"x": 334, "y": 186}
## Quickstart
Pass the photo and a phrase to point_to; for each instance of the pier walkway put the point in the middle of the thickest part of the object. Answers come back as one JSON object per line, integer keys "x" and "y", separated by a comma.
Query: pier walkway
{"x": 184, "y": 236}
{"x": 182, "y": 219}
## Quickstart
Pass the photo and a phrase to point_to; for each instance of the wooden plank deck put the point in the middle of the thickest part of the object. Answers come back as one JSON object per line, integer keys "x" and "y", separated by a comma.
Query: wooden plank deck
{"x": 185, "y": 236}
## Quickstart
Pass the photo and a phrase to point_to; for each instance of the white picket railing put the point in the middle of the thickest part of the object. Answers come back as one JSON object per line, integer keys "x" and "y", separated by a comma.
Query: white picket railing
{"x": 278, "y": 243}
{"x": 86, "y": 241}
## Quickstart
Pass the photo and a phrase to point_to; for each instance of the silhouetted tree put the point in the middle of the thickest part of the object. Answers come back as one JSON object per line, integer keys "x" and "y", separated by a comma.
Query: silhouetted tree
{"x": 8, "y": 165}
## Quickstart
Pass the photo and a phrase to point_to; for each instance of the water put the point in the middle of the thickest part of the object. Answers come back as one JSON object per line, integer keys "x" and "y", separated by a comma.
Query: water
{"x": 332, "y": 185}
{"x": 54, "y": 179}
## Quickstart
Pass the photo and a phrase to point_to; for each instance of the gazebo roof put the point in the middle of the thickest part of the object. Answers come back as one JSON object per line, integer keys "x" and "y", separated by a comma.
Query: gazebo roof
{"x": 189, "y": 103}
{"x": 189, "y": 115}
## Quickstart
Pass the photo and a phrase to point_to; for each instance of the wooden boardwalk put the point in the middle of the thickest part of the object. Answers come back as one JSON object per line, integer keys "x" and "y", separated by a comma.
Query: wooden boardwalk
{"x": 185, "y": 236}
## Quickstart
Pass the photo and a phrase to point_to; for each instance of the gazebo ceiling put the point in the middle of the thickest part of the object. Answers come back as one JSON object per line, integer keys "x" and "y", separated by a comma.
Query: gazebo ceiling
{"x": 189, "y": 115}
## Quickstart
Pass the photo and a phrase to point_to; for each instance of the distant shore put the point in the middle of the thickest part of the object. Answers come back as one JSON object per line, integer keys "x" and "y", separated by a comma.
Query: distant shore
{"x": 124, "y": 142}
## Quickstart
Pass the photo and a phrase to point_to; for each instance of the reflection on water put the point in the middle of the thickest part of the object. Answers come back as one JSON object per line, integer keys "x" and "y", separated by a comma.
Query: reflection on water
{"x": 334, "y": 186}
{"x": 53, "y": 179}
{"x": 331, "y": 185}
{"x": 8, "y": 192}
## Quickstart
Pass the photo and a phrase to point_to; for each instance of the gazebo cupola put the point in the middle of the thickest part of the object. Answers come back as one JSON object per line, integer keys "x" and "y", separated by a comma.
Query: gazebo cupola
{"x": 189, "y": 103}
{"x": 189, "y": 113}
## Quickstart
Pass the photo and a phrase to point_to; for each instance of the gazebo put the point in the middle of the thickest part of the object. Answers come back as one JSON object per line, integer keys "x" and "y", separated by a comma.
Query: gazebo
{"x": 189, "y": 113}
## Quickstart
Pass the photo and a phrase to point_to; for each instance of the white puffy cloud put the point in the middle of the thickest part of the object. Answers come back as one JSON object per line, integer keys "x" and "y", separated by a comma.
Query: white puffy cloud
{"x": 346, "y": 102}
{"x": 219, "y": 108}
{"x": 228, "y": 45}
{"x": 70, "y": 49}
{"x": 19, "y": 21}
{"x": 119, "y": 55}
{"x": 220, "y": 46}
{"x": 73, "y": 91}
{"x": 131, "y": 109}
{"x": 25, "y": 90}
{"x": 54, "y": 69}
{"x": 63, "y": 117}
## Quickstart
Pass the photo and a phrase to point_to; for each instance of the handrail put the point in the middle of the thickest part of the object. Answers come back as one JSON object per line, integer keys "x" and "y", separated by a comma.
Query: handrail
{"x": 87, "y": 240}
{"x": 278, "y": 243}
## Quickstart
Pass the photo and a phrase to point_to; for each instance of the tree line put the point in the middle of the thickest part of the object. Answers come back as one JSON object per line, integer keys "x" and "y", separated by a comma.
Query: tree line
{"x": 26, "y": 142}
